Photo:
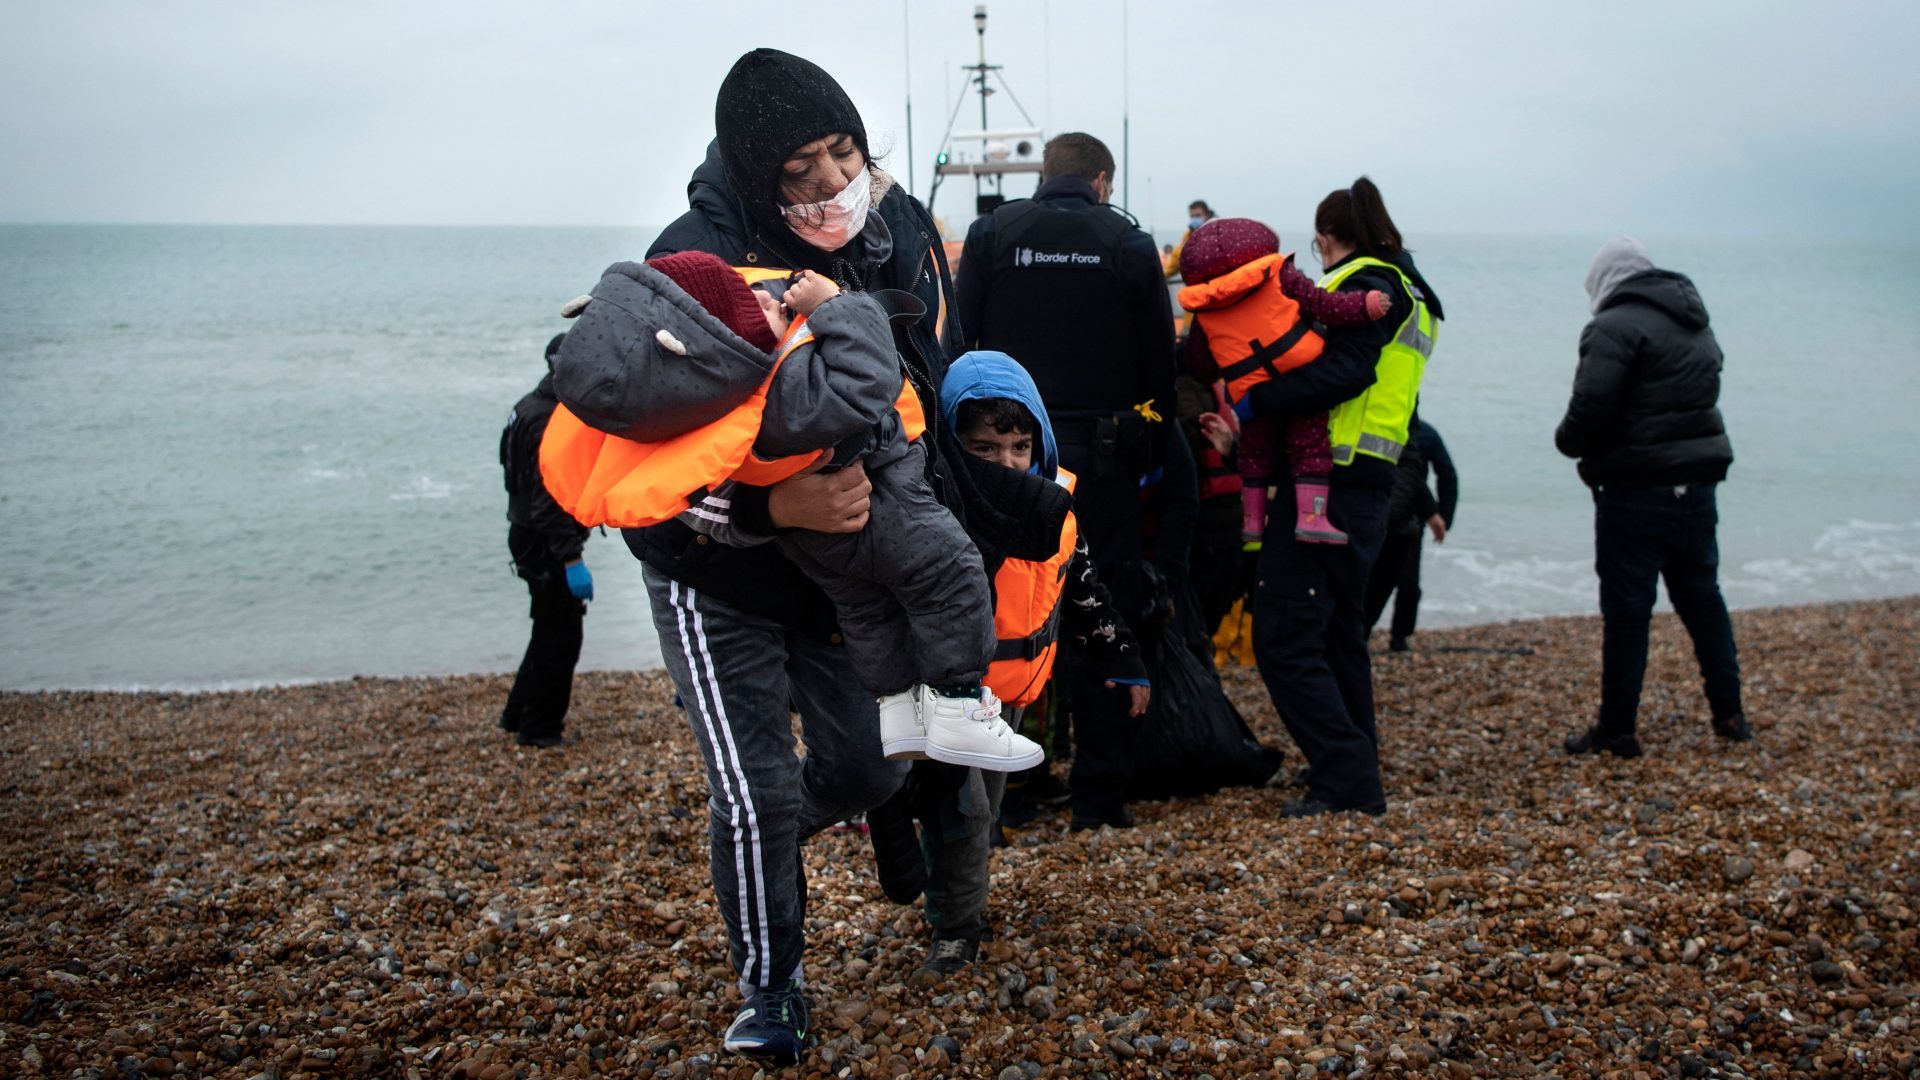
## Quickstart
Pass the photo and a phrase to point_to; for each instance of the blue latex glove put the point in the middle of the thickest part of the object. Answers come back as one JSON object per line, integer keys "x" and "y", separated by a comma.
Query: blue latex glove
{"x": 580, "y": 581}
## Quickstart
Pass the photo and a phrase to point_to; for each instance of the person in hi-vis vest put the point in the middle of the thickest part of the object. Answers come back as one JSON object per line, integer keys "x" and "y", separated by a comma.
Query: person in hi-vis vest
{"x": 1308, "y": 600}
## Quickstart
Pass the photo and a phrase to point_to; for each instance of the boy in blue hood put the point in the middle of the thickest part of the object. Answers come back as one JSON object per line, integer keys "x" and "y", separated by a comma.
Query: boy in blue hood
{"x": 989, "y": 403}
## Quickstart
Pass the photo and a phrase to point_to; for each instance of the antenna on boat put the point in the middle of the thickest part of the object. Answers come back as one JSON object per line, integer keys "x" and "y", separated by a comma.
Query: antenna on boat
{"x": 1010, "y": 150}
{"x": 906, "y": 54}
{"x": 1126, "y": 133}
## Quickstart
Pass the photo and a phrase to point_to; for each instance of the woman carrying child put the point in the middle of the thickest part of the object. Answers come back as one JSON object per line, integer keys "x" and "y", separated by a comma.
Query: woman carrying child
{"x": 744, "y": 633}
{"x": 1308, "y": 600}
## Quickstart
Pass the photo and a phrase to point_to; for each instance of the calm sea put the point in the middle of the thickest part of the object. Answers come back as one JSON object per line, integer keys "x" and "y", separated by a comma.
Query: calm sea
{"x": 236, "y": 455}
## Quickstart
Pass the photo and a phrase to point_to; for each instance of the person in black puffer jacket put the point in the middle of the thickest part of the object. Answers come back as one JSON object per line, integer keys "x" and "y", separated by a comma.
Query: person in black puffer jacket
{"x": 1645, "y": 425}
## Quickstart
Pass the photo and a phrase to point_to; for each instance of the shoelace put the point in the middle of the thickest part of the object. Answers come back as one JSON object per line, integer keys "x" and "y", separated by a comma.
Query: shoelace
{"x": 950, "y": 949}
{"x": 782, "y": 1007}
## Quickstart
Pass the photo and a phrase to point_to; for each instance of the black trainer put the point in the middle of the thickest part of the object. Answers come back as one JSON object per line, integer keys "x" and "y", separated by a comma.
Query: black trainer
{"x": 1397, "y": 643}
{"x": 1308, "y": 806}
{"x": 1594, "y": 741}
{"x": 1733, "y": 728}
{"x": 896, "y": 848}
{"x": 947, "y": 957}
{"x": 772, "y": 1025}
{"x": 541, "y": 740}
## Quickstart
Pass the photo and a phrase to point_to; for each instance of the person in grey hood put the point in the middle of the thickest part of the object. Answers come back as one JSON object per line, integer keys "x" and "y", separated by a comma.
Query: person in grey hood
{"x": 1645, "y": 424}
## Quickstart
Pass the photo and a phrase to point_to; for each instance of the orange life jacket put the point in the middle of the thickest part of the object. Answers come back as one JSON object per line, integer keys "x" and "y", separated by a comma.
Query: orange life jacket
{"x": 603, "y": 479}
{"x": 1254, "y": 330}
{"x": 1026, "y": 617}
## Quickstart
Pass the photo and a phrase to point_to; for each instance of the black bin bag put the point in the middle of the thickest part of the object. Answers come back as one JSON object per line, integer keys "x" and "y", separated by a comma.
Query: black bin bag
{"x": 1192, "y": 740}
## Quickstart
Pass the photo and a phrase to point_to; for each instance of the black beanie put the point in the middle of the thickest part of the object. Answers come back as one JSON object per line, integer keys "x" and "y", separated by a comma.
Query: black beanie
{"x": 771, "y": 104}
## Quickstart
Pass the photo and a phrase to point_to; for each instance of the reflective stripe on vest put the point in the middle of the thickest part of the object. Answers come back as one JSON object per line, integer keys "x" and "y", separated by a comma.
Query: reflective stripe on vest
{"x": 1026, "y": 617}
{"x": 1238, "y": 309}
{"x": 1376, "y": 422}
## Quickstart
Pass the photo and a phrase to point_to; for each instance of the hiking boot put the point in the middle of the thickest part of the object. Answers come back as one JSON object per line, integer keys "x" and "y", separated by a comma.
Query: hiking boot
{"x": 1733, "y": 728}
{"x": 948, "y": 957}
{"x": 1310, "y": 524}
{"x": 1595, "y": 741}
{"x": 969, "y": 731}
{"x": 540, "y": 740}
{"x": 903, "y": 737}
{"x": 1117, "y": 816}
{"x": 897, "y": 860}
{"x": 772, "y": 1025}
{"x": 1308, "y": 806}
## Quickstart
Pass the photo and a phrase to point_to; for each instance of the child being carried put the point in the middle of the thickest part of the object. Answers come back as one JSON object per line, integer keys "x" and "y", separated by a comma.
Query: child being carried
{"x": 1255, "y": 313}
{"x": 753, "y": 388}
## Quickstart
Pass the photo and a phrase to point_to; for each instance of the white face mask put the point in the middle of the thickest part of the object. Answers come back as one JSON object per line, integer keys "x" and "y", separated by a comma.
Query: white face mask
{"x": 829, "y": 225}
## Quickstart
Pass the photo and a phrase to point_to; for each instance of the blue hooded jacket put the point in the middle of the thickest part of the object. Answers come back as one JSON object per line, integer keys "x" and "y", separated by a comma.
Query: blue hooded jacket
{"x": 984, "y": 373}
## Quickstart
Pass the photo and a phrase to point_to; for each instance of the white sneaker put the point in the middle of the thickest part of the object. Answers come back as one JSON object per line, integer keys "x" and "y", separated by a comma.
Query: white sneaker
{"x": 965, "y": 731}
{"x": 902, "y": 734}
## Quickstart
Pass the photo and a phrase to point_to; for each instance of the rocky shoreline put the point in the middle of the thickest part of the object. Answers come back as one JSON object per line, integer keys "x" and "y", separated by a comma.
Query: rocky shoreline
{"x": 367, "y": 878}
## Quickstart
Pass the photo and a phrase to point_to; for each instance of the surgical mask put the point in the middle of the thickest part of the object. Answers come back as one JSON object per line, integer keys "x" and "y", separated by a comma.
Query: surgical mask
{"x": 829, "y": 225}
{"x": 1195, "y": 222}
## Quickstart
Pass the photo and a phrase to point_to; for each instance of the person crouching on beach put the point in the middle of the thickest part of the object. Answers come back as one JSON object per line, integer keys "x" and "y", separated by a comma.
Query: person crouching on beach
{"x": 1254, "y": 312}
{"x": 811, "y": 377}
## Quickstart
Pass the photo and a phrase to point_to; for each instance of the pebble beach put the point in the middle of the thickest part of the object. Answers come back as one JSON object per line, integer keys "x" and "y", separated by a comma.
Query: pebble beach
{"x": 368, "y": 878}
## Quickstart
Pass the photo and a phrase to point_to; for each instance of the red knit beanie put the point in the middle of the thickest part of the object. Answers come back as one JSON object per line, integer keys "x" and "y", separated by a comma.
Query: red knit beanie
{"x": 1224, "y": 244}
{"x": 714, "y": 286}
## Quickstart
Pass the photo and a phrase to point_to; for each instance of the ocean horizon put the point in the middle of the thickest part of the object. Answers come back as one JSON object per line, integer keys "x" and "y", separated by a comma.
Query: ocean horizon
{"x": 244, "y": 455}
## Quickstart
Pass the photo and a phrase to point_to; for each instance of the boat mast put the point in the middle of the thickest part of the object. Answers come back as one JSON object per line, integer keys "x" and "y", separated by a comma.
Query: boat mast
{"x": 1013, "y": 150}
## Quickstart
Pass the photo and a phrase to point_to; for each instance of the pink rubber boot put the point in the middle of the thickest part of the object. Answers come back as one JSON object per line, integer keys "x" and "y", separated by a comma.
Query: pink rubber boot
{"x": 1310, "y": 524}
{"x": 1253, "y": 511}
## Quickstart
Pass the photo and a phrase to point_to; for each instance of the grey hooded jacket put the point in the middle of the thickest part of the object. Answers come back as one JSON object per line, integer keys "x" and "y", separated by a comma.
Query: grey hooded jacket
{"x": 646, "y": 362}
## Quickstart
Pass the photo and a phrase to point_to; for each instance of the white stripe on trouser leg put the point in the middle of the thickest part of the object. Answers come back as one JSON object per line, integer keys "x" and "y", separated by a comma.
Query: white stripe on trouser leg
{"x": 727, "y": 766}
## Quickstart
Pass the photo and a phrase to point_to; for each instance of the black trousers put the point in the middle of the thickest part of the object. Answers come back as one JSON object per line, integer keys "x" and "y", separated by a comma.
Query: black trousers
{"x": 1107, "y": 504}
{"x": 1641, "y": 535}
{"x": 1310, "y": 642}
{"x": 537, "y": 704}
{"x": 1396, "y": 573}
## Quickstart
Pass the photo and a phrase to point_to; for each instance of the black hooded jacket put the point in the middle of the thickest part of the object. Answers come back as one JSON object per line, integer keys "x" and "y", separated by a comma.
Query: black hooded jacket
{"x": 1644, "y": 411}
{"x": 759, "y": 579}
{"x": 554, "y": 536}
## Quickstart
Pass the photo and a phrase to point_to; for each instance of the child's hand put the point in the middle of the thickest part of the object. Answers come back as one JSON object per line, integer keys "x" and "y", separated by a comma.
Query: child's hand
{"x": 1217, "y": 432}
{"x": 809, "y": 290}
{"x": 1138, "y": 697}
{"x": 1378, "y": 304}
{"x": 776, "y": 313}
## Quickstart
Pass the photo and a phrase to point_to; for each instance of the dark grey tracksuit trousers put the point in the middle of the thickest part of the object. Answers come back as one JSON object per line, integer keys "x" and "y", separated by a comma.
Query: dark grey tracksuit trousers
{"x": 912, "y": 595}
{"x": 957, "y": 844}
{"x": 736, "y": 674}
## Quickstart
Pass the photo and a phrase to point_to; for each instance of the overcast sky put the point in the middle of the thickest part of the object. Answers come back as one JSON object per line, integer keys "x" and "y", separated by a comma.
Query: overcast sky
{"x": 1675, "y": 117}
